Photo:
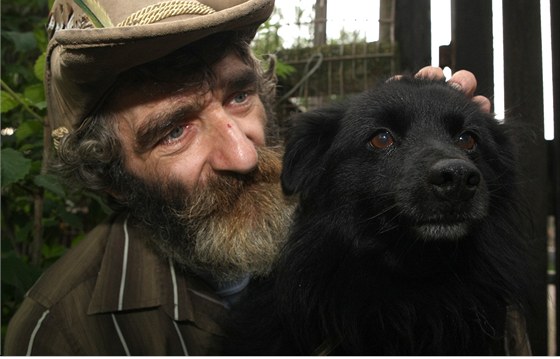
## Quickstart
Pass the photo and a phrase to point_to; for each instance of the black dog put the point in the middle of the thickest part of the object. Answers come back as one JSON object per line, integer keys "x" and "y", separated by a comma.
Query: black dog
{"x": 405, "y": 241}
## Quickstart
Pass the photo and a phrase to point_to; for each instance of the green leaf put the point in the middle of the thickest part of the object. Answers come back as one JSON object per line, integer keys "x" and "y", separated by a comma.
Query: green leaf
{"x": 39, "y": 67}
{"x": 51, "y": 183}
{"x": 41, "y": 36}
{"x": 17, "y": 273}
{"x": 23, "y": 41}
{"x": 284, "y": 70}
{"x": 29, "y": 128}
{"x": 35, "y": 94}
{"x": 77, "y": 240}
{"x": 106, "y": 209}
{"x": 7, "y": 102}
{"x": 53, "y": 251}
{"x": 72, "y": 219}
{"x": 14, "y": 166}
{"x": 29, "y": 148}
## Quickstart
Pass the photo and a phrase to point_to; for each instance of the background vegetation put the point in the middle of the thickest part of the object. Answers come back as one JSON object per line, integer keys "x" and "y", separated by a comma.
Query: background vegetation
{"x": 41, "y": 219}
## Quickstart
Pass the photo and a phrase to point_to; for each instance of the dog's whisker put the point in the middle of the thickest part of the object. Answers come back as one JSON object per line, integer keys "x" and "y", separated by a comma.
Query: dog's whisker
{"x": 380, "y": 213}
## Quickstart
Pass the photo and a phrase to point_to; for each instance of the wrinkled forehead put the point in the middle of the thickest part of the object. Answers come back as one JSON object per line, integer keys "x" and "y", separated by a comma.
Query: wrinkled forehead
{"x": 175, "y": 80}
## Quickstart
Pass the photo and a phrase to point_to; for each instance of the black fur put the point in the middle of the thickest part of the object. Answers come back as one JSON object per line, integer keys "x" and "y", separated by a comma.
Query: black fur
{"x": 410, "y": 249}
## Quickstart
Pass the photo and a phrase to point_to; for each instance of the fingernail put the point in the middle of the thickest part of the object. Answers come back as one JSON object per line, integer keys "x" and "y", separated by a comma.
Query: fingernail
{"x": 456, "y": 86}
{"x": 394, "y": 78}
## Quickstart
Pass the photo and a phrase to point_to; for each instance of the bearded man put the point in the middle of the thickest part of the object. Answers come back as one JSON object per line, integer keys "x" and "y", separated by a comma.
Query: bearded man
{"x": 167, "y": 113}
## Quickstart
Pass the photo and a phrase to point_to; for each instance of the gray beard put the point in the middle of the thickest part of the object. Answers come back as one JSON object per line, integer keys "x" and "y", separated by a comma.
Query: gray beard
{"x": 232, "y": 227}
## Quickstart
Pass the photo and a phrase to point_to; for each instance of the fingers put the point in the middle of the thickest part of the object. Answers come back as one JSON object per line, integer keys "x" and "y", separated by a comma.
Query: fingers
{"x": 462, "y": 80}
{"x": 430, "y": 73}
{"x": 465, "y": 81}
{"x": 483, "y": 102}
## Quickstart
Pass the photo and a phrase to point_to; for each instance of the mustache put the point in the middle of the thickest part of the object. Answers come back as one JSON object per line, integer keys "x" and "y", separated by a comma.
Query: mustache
{"x": 269, "y": 166}
{"x": 223, "y": 192}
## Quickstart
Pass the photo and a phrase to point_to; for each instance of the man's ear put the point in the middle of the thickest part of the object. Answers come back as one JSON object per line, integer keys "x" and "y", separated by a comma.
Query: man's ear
{"x": 308, "y": 142}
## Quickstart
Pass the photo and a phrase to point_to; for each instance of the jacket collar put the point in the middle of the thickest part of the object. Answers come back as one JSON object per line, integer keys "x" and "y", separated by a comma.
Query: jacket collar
{"x": 132, "y": 276}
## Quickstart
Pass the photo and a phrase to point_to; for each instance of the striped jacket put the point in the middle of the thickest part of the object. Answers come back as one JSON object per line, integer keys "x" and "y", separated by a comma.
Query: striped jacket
{"x": 112, "y": 295}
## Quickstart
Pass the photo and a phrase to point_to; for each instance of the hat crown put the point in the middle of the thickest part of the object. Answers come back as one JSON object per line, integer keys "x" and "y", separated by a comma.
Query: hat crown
{"x": 83, "y": 14}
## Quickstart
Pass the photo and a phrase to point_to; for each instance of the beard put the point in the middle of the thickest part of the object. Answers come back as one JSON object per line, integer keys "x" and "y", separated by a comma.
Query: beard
{"x": 231, "y": 227}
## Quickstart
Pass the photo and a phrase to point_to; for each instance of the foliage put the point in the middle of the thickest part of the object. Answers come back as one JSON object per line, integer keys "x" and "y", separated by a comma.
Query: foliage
{"x": 40, "y": 218}
{"x": 268, "y": 41}
{"x": 346, "y": 37}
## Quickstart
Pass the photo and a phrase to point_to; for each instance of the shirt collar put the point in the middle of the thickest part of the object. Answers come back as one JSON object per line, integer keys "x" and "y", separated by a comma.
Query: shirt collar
{"x": 132, "y": 276}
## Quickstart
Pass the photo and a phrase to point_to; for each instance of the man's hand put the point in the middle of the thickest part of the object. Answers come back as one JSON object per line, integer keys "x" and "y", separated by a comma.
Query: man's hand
{"x": 462, "y": 80}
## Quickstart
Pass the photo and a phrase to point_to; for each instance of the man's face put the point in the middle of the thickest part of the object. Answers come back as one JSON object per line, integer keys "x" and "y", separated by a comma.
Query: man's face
{"x": 198, "y": 173}
{"x": 193, "y": 136}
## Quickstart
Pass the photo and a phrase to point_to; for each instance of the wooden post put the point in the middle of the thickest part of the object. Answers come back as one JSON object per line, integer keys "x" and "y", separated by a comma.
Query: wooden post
{"x": 472, "y": 41}
{"x": 523, "y": 87}
{"x": 413, "y": 34}
{"x": 386, "y": 21}
{"x": 320, "y": 30}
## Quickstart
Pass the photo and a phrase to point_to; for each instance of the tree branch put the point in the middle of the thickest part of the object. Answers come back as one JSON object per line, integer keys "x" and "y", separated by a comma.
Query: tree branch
{"x": 20, "y": 100}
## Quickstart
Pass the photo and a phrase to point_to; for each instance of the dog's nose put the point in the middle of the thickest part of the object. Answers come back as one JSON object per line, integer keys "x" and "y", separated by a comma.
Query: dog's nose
{"x": 454, "y": 179}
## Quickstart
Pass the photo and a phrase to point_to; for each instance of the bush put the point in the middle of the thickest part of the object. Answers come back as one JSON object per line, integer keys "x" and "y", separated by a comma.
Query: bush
{"x": 41, "y": 218}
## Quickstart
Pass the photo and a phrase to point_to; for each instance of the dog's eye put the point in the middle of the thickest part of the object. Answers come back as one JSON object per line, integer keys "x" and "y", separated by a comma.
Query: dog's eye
{"x": 382, "y": 139}
{"x": 466, "y": 141}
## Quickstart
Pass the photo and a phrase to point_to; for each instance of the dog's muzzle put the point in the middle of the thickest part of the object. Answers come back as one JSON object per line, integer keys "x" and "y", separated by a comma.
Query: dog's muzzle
{"x": 454, "y": 199}
{"x": 454, "y": 179}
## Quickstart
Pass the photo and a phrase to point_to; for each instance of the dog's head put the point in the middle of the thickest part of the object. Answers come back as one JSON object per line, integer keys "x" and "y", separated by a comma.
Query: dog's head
{"x": 411, "y": 154}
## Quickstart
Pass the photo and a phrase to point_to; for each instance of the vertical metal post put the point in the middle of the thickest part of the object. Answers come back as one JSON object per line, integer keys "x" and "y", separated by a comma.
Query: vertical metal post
{"x": 523, "y": 95}
{"x": 555, "y": 37}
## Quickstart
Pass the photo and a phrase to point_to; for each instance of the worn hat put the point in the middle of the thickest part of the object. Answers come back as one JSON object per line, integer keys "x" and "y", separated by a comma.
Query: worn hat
{"x": 92, "y": 41}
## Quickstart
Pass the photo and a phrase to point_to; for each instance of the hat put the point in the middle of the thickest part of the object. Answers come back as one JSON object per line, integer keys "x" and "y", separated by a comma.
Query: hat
{"x": 93, "y": 41}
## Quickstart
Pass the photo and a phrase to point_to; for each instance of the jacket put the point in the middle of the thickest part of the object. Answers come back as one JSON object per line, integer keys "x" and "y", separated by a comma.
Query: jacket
{"x": 112, "y": 295}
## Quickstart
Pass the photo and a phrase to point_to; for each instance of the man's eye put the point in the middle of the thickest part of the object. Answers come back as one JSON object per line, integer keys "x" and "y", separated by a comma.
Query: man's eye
{"x": 241, "y": 97}
{"x": 174, "y": 135}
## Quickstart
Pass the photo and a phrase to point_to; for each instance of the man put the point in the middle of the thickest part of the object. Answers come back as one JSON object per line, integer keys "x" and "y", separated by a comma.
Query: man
{"x": 162, "y": 107}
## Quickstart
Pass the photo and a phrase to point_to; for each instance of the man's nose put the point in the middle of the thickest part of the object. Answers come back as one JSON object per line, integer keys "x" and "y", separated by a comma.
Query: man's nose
{"x": 233, "y": 149}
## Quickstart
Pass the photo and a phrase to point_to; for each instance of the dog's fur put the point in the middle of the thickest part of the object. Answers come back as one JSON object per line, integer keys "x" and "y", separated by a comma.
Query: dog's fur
{"x": 407, "y": 249}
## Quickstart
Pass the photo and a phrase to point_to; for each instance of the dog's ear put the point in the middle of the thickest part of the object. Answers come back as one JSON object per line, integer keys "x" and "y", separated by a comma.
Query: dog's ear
{"x": 308, "y": 141}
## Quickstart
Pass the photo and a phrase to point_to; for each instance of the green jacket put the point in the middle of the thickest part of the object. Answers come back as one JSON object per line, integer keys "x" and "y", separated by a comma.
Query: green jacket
{"x": 112, "y": 295}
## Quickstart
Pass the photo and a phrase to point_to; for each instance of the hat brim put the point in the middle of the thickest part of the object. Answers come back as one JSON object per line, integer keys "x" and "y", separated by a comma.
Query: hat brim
{"x": 82, "y": 64}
